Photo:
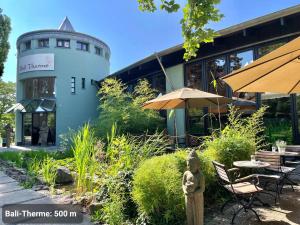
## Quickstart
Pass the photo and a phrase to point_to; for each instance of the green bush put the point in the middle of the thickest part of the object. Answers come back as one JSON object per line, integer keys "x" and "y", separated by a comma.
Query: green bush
{"x": 157, "y": 188}
{"x": 123, "y": 154}
{"x": 118, "y": 106}
{"x": 240, "y": 138}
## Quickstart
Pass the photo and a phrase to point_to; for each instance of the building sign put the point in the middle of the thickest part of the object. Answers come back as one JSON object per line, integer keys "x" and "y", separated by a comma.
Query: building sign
{"x": 36, "y": 62}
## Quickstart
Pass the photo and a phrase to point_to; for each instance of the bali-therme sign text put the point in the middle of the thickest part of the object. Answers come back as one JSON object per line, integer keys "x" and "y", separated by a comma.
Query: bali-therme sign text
{"x": 36, "y": 62}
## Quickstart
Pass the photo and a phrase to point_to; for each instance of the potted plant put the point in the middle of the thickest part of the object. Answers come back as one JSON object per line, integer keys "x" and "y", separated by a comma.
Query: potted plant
{"x": 281, "y": 145}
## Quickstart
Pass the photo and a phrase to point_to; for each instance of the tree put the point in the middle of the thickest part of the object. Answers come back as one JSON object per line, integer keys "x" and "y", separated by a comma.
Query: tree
{"x": 196, "y": 15}
{"x": 118, "y": 106}
{"x": 7, "y": 99}
{"x": 4, "y": 45}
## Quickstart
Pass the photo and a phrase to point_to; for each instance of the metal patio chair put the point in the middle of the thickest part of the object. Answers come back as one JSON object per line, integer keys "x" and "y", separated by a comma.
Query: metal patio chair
{"x": 243, "y": 190}
{"x": 276, "y": 167}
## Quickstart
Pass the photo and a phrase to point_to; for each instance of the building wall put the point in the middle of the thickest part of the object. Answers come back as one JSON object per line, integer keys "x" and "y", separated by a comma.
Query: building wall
{"x": 176, "y": 75}
{"x": 72, "y": 110}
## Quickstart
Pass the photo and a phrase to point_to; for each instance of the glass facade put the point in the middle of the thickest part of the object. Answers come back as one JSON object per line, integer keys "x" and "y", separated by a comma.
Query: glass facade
{"x": 215, "y": 69}
{"x": 239, "y": 60}
{"x": 278, "y": 120}
{"x": 35, "y": 88}
{"x": 39, "y": 106}
{"x": 193, "y": 75}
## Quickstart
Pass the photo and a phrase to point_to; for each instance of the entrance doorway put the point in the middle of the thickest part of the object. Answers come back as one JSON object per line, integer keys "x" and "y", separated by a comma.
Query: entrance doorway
{"x": 32, "y": 123}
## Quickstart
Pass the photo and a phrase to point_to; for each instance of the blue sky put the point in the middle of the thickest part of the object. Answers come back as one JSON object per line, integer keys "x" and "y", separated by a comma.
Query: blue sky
{"x": 131, "y": 34}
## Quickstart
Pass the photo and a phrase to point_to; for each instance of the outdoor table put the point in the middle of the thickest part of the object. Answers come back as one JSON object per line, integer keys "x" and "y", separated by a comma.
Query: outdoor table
{"x": 287, "y": 154}
{"x": 251, "y": 164}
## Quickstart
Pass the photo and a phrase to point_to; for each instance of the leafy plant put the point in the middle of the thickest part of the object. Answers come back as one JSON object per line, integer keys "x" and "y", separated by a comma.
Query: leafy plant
{"x": 196, "y": 15}
{"x": 48, "y": 171}
{"x": 117, "y": 106}
{"x": 157, "y": 188}
{"x": 84, "y": 156}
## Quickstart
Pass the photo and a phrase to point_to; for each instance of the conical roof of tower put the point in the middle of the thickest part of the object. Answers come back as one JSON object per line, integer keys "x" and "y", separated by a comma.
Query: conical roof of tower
{"x": 66, "y": 25}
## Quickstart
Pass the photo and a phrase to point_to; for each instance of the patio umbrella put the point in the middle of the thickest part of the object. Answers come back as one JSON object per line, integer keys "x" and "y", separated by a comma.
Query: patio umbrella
{"x": 186, "y": 98}
{"x": 277, "y": 72}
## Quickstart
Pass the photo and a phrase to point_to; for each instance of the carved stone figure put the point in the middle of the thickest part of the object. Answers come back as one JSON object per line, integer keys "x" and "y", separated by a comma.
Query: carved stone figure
{"x": 193, "y": 185}
{"x": 43, "y": 134}
{"x": 8, "y": 131}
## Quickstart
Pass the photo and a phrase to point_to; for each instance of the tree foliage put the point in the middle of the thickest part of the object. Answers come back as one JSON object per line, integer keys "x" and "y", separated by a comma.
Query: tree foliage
{"x": 117, "y": 106}
{"x": 4, "y": 45}
{"x": 7, "y": 99}
{"x": 196, "y": 15}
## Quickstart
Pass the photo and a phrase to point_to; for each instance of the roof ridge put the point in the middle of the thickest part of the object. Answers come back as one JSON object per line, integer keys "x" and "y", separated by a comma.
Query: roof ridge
{"x": 66, "y": 25}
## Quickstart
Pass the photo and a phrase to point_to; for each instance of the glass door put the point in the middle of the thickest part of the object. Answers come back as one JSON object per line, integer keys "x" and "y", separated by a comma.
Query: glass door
{"x": 27, "y": 128}
{"x": 37, "y": 120}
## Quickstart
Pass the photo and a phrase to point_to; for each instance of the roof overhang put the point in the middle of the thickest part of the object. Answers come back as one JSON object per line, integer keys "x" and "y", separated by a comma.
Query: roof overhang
{"x": 224, "y": 32}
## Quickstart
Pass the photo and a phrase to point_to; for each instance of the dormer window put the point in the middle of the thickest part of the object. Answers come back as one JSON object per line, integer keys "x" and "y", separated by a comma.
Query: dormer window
{"x": 107, "y": 55}
{"x": 43, "y": 43}
{"x": 98, "y": 51}
{"x": 62, "y": 43}
{"x": 27, "y": 45}
{"x": 82, "y": 46}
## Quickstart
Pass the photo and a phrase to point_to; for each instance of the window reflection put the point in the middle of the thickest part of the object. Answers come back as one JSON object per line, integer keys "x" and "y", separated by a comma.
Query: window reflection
{"x": 39, "y": 88}
{"x": 195, "y": 121}
{"x": 237, "y": 61}
{"x": 193, "y": 75}
{"x": 216, "y": 70}
{"x": 269, "y": 48}
{"x": 278, "y": 120}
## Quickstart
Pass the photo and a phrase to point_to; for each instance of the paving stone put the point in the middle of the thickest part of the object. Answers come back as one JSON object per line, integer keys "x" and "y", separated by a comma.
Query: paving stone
{"x": 9, "y": 187}
{"x": 11, "y": 193}
{"x": 6, "y": 179}
{"x": 18, "y": 197}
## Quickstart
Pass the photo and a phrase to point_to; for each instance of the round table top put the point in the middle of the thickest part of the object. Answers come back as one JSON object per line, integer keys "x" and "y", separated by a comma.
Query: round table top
{"x": 251, "y": 164}
{"x": 287, "y": 153}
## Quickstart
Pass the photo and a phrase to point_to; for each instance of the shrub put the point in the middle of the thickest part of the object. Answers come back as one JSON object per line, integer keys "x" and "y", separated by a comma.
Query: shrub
{"x": 157, "y": 188}
{"x": 125, "y": 109}
{"x": 240, "y": 138}
{"x": 123, "y": 154}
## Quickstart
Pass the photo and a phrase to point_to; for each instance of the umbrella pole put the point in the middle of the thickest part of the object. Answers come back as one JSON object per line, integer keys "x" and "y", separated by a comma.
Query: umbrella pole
{"x": 219, "y": 115}
{"x": 173, "y": 88}
{"x": 175, "y": 129}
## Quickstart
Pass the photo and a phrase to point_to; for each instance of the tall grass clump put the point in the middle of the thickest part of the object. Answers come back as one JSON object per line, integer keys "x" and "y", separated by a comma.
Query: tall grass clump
{"x": 85, "y": 160}
{"x": 48, "y": 170}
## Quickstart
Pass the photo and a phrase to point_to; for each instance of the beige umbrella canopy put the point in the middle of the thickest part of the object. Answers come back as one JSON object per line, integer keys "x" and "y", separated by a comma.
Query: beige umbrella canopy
{"x": 277, "y": 72}
{"x": 186, "y": 98}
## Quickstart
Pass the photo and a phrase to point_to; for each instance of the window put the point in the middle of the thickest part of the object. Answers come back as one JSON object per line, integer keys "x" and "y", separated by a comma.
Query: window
{"x": 107, "y": 55}
{"x": 216, "y": 70}
{"x": 82, "y": 46}
{"x": 27, "y": 45}
{"x": 73, "y": 85}
{"x": 269, "y": 48}
{"x": 83, "y": 83}
{"x": 43, "y": 43}
{"x": 63, "y": 43}
{"x": 277, "y": 119}
{"x": 98, "y": 50}
{"x": 193, "y": 75}
{"x": 237, "y": 61}
{"x": 35, "y": 88}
